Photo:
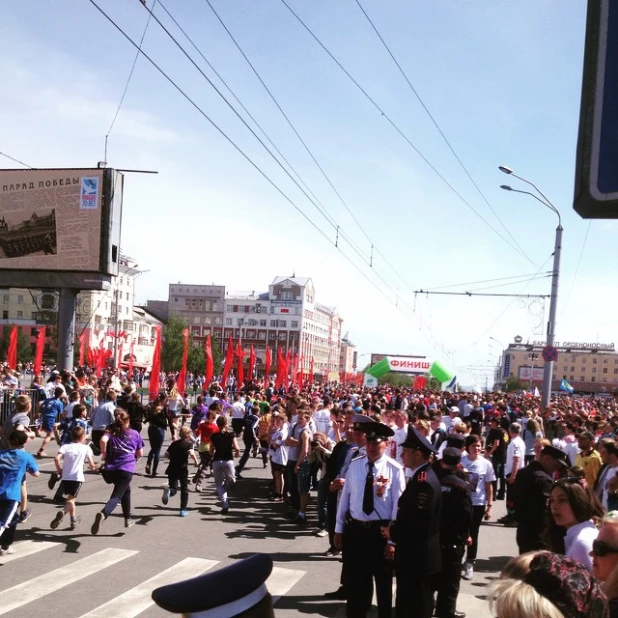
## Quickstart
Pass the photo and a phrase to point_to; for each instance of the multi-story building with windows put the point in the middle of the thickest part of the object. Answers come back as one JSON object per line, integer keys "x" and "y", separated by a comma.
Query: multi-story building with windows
{"x": 589, "y": 367}
{"x": 348, "y": 356}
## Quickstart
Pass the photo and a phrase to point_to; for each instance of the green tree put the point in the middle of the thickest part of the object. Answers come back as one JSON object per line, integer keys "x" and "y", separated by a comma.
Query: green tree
{"x": 513, "y": 384}
{"x": 196, "y": 359}
{"x": 24, "y": 348}
{"x": 396, "y": 379}
{"x": 173, "y": 344}
{"x": 433, "y": 384}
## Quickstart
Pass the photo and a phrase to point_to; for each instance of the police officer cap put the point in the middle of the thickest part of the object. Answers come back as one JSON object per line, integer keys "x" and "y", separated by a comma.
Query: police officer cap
{"x": 456, "y": 440}
{"x": 359, "y": 421}
{"x": 556, "y": 453}
{"x": 415, "y": 439}
{"x": 377, "y": 432}
{"x": 211, "y": 595}
{"x": 451, "y": 456}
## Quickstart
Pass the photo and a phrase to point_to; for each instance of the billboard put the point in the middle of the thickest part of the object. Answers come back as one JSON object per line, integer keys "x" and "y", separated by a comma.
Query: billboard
{"x": 62, "y": 220}
{"x": 404, "y": 364}
{"x": 525, "y": 373}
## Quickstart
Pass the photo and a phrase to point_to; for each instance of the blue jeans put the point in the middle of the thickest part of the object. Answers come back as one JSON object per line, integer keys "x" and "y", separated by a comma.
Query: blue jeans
{"x": 323, "y": 492}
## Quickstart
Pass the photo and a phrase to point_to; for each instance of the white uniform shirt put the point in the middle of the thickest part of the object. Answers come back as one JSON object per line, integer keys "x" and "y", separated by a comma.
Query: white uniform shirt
{"x": 516, "y": 448}
{"x": 384, "y": 506}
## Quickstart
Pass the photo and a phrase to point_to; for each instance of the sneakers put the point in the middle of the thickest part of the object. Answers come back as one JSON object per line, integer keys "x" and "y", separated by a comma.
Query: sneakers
{"x": 333, "y": 552}
{"x": 75, "y": 522}
{"x": 226, "y": 508}
{"x": 148, "y": 470}
{"x": 184, "y": 512}
{"x": 41, "y": 453}
{"x": 469, "y": 571}
{"x": 129, "y": 523}
{"x": 56, "y": 522}
{"x": 322, "y": 532}
{"x": 198, "y": 488}
{"x": 98, "y": 518}
{"x": 24, "y": 516}
{"x": 53, "y": 479}
{"x": 165, "y": 498}
{"x": 301, "y": 520}
{"x": 6, "y": 551}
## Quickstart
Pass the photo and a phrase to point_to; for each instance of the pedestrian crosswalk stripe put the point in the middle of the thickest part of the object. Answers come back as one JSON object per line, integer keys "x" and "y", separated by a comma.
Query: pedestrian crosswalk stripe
{"x": 26, "y": 548}
{"x": 38, "y": 587}
{"x": 281, "y": 581}
{"x": 133, "y": 602}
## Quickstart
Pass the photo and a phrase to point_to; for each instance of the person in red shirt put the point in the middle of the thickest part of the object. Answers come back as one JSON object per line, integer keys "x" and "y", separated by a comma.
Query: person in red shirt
{"x": 204, "y": 431}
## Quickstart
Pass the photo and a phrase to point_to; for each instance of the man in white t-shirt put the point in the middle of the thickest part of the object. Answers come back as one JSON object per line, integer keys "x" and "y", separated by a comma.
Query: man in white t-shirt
{"x": 515, "y": 452}
{"x": 449, "y": 421}
{"x": 321, "y": 417}
{"x": 401, "y": 433}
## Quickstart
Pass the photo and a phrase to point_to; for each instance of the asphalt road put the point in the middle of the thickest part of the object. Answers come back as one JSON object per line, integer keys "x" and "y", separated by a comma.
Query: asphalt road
{"x": 74, "y": 574}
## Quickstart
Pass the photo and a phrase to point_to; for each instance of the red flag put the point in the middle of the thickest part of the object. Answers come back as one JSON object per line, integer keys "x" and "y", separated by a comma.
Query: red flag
{"x": 153, "y": 387}
{"x": 38, "y": 355}
{"x": 280, "y": 368}
{"x": 82, "y": 347}
{"x": 268, "y": 360}
{"x": 209, "y": 364}
{"x": 311, "y": 371}
{"x": 288, "y": 366}
{"x": 251, "y": 362}
{"x": 229, "y": 360}
{"x": 241, "y": 370}
{"x": 12, "y": 354}
{"x": 182, "y": 376}
{"x": 120, "y": 353}
{"x": 295, "y": 369}
{"x": 131, "y": 356}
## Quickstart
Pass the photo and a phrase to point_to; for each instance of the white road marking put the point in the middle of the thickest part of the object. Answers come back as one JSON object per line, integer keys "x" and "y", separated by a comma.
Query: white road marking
{"x": 281, "y": 581}
{"x": 133, "y": 602}
{"x": 26, "y": 548}
{"x": 38, "y": 587}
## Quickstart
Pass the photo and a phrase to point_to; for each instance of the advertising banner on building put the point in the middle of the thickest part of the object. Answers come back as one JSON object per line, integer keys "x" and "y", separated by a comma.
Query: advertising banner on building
{"x": 526, "y": 372}
{"x": 57, "y": 219}
{"x": 506, "y": 370}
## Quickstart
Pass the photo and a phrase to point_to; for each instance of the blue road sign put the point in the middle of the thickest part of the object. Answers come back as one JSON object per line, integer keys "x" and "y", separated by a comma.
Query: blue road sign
{"x": 596, "y": 189}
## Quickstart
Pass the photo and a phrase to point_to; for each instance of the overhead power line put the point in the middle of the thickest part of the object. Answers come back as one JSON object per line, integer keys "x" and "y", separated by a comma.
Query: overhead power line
{"x": 126, "y": 86}
{"x": 401, "y": 133}
{"x": 439, "y": 129}
{"x": 16, "y": 160}
{"x": 456, "y": 285}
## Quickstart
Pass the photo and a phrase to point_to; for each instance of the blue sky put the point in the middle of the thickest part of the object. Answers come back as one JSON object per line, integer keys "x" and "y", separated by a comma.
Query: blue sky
{"x": 502, "y": 79}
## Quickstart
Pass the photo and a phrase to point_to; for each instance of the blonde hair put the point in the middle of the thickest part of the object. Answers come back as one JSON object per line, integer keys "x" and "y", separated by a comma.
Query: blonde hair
{"x": 514, "y": 598}
{"x": 610, "y": 585}
{"x": 519, "y": 566}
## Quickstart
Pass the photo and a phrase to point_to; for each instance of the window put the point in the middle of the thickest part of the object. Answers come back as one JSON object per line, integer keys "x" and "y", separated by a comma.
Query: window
{"x": 187, "y": 302}
{"x": 5, "y": 315}
{"x": 572, "y": 378}
{"x": 120, "y": 280}
{"x": 193, "y": 303}
{"x": 273, "y": 323}
{"x": 272, "y": 335}
{"x": 615, "y": 370}
{"x": 283, "y": 323}
{"x": 175, "y": 300}
{"x": 207, "y": 305}
{"x": 228, "y": 321}
{"x": 126, "y": 310}
{"x": 582, "y": 378}
{"x": 208, "y": 319}
{"x": 20, "y": 314}
{"x": 6, "y": 298}
{"x": 239, "y": 321}
{"x": 214, "y": 306}
{"x": 593, "y": 379}
{"x": 281, "y": 336}
{"x": 605, "y": 361}
{"x": 120, "y": 309}
{"x": 594, "y": 370}
{"x": 604, "y": 369}
{"x": 218, "y": 321}
{"x": 262, "y": 323}
{"x": 196, "y": 320}
{"x": 604, "y": 380}
{"x": 105, "y": 306}
{"x": 246, "y": 308}
{"x": 584, "y": 360}
{"x": 595, "y": 361}
{"x": 272, "y": 310}
{"x": 573, "y": 357}
{"x": 294, "y": 324}
{"x": 20, "y": 298}
{"x": 262, "y": 334}
{"x": 286, "y": 296}
{"x": 572, "y": 368}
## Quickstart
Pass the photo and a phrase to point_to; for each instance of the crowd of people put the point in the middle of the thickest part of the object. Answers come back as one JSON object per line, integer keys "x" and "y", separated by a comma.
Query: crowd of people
{"x": 403, "y": 478}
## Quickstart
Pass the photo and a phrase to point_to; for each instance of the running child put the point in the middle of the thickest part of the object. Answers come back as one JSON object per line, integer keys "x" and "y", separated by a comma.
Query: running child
{"x": 73, "y": 456}
{"x": 177, "y": 470}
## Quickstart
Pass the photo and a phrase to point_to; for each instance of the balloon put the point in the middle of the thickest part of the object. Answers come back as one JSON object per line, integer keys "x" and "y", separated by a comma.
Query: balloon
{"x": 440, "y": 373}
{"x": 379, "y": 369}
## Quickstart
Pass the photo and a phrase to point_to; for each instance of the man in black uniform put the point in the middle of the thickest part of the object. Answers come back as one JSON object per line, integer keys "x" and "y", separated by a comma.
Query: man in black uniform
{"x": 455, "y": 522}
{"x": 532, "y": 488}
{"x": 416, "y": 531}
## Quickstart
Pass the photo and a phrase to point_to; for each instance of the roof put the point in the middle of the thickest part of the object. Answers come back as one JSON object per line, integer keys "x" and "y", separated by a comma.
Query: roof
{"x": 301, "y": 281}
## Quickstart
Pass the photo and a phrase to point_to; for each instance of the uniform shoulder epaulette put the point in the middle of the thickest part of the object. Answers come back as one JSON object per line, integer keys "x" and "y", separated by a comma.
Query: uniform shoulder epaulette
{"x": 422, "y": 477}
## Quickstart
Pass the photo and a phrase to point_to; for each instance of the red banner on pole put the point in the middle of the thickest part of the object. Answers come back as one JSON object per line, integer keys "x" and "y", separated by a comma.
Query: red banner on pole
{"x": 12, "y": 353}
{"x": 153, "y": 387}
{"x": 288, "y": 366}
{"x": 229, "y": 360}
{"x": 131, "y": 357}
{"x": 240, "y": 370}
{"x": 280, "y": 368}
{"x": 38, "y": 354}
{"x": 311, "y": 371}
{"x": 82, "y": 347}
{"x": 182, "y": 376}
{"x": 209, "y": 364}
{"x": 251, "y": 362}
{"x": 267, "y": 363}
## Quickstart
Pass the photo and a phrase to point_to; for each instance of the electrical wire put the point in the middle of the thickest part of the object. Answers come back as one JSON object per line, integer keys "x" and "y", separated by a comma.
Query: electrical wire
{"x": 439, "y": 129}
{"x": 456, "y": 285}
{"x": 126, "y": 86}
{"x": 16, "y": 160}
{"x": 401, "y": 133}
{"x": 244, "y": 155}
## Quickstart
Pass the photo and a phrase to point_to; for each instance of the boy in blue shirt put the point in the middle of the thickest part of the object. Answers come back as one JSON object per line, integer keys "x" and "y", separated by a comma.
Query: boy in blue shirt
{"x": 14, "y": 463}
{"x": 50, "y": 410}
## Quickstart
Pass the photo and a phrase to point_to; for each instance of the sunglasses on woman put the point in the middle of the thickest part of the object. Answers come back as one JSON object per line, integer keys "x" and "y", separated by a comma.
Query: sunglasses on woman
{"x": 602, "y": 549}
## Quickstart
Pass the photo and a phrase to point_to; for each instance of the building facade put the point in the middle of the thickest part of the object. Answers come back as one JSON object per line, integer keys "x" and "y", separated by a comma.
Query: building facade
{"x": 587, "y": 367}
{"x": 348, "y": 356}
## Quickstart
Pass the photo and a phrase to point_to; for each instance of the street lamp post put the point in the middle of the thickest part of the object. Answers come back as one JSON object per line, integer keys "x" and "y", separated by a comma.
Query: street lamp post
{"x": 553, "y": 299}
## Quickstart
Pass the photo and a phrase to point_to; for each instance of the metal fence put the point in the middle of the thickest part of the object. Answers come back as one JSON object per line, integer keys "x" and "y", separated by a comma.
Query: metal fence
{"x": 7, "y": 400}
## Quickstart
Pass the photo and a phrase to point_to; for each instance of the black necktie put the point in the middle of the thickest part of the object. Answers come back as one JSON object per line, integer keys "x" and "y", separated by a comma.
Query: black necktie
{"x": 368, "y": 493}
